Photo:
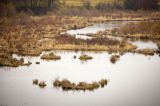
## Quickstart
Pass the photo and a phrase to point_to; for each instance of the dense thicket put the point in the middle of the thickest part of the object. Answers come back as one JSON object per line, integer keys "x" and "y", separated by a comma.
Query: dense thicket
{"x": 34, "y": 5}
{"x": 141, "y": 4}
{"x": 10, "y": 7}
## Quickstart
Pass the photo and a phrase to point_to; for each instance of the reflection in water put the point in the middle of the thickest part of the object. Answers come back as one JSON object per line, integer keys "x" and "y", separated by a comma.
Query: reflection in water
{"x": 134, "y": 80}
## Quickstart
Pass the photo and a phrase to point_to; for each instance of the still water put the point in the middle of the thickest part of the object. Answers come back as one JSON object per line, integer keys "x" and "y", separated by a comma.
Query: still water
{"x": 81, "y": 33}
{"x": 134, "y": 81}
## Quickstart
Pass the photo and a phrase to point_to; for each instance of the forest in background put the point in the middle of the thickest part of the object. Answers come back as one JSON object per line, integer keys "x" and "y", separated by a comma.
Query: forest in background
{"x": 11, "y": 7}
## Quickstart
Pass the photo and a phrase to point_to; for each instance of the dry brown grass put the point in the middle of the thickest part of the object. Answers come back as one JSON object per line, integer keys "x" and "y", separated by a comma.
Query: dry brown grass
{"x": 50, "y": 56}
{"x": 141, "y": 30}
{"x": 67, "y": 85}
{"x": 85, "y": 57}
{"x": 68, "y": 39}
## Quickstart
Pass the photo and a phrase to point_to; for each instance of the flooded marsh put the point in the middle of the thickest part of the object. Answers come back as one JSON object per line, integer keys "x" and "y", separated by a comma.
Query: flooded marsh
{"x": 87, "y": 65}
{"x": 133, "y": 72}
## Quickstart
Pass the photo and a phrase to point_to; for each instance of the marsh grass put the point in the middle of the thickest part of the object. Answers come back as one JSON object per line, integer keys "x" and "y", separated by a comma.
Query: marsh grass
{"x": 66, "y": 85}
{"x": 114, "y": 59}
{"x": 146, "y": 52}
{"x": 141, "y": 30}
{"x": 85, "y": 57}
{"x": 35, "y": 81}
{"x": 42, "y": 84}
{"x": 68, "y": 39}
{"x": 50, "y": 56}
{"x": 9, "y": 61}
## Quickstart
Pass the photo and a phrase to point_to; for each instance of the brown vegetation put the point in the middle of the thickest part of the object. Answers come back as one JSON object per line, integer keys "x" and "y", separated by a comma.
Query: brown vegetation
{"x": 50, "y": 56}
{"x": 85, "y": 57}
{"x": 30, "y": 35}
{"x": 114, "y": 58}
{"x": 35, "y": 81}
{"x": 8, "y": 60}
{"x": 68, "y": 39}
{"x": 145, "y": 51}
{"x": 42, "y": 84}
{"x": 67, "y": 85}
{"x": 141, "y": 30}
{"x": 37, "y": 62}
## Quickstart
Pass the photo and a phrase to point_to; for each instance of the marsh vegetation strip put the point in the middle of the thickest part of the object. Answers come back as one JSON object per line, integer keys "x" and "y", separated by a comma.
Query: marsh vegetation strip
{"x": 132, "y": 72}
{"x": 85, "y": 33}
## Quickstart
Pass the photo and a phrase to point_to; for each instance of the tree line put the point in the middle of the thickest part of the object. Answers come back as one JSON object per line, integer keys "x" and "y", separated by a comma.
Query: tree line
{"x": 32, "y": 4}
{"x": 141, "y": 4}
{"x": 42, "y": 6}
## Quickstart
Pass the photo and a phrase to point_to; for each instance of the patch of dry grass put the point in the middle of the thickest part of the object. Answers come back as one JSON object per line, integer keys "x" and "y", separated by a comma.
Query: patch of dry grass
{"x": 141, "y": 30}
{"x": 85, "y": 57}
{"x": 50, "y": 56}
{"x": 67, "y": 85}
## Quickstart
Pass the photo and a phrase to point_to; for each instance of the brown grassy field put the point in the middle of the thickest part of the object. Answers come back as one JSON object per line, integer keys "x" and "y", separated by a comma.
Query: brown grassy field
{"x": 81, "y": 2}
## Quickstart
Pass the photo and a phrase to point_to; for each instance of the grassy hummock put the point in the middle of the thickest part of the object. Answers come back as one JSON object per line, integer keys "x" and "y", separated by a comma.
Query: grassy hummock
{"x": 35, "y": 81}
{"x": 50, "y": 56}
{"x": 42, "y": 84}
{"x": 114, "y": 58}
{"x": 85, "y": 57}
{"x": 9, "y": 61}
{"x": 67, "y": 85}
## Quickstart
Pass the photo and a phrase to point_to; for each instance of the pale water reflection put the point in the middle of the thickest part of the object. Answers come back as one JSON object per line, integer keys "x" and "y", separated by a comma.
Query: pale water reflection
{"x": 145, "y": 44}
{"x": 134, "y": 80}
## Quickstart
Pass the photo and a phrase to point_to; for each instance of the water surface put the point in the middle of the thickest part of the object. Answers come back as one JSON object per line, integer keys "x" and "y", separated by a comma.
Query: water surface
{"x": 134, "y": 80}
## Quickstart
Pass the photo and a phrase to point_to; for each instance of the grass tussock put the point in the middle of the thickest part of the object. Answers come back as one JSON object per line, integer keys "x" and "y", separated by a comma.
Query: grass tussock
{"x": 114, "y": 58}
{"x": 67, "y": 85}
{"x": 42, "y": 84}
{"x": 35, "y": 81}
{"x": 85, "y": 57}
{"x": 37, "y": 62}
{"x": 50, "y": 56}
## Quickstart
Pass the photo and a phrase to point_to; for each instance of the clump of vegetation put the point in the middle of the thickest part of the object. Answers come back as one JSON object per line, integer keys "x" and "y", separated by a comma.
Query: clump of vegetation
{"x": 35, "y": 81}
{"x": 74, "y": 57}
{"x": 37, "y": 62}
{"x": 42, "y": 84}
{"x": 114, "y": 58}
{"x": 67, "y": 85}
{"x": 8, "y": 60}
{"x": 50, "y": 56}
{"x": 103, "y": 82}
{"x": 85, "y": 57}
{"x": 145, "y": 51}
{"x": 57, "y": 83}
